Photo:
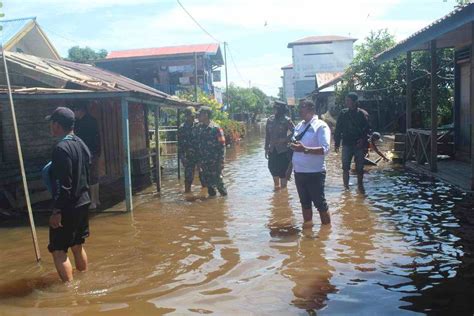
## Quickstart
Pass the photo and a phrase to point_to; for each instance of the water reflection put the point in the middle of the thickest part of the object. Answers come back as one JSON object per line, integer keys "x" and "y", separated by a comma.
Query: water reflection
{"x": 357, "y": 231}
{"x": 305, "y": 264}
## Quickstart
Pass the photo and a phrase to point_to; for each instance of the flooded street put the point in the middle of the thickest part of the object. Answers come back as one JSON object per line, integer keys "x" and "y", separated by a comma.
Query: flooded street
{"x": 406, "y": 247}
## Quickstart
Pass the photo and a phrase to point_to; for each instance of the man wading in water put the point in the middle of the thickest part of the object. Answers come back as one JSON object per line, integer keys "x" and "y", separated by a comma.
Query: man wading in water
{"x": 69, "y": 173}
{"x": 310, "y": 144}
{"x": 353, "y": 129}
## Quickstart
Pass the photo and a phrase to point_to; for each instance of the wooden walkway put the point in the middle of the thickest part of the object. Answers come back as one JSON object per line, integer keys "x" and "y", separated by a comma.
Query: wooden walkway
{"x": 454, "y": 172}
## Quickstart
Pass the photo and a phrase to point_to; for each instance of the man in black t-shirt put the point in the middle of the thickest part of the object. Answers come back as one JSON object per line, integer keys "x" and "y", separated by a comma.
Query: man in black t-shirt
{"x": 352, "y": 128}
{"x": 69, "y": 222}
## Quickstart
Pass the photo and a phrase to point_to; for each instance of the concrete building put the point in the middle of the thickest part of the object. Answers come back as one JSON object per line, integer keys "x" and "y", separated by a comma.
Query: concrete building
{"x": 318, "y": 54}
{"x": 288, "y": 84}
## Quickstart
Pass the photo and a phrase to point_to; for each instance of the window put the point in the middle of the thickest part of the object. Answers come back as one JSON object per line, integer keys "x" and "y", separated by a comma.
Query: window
{"x": 316, "y": 54}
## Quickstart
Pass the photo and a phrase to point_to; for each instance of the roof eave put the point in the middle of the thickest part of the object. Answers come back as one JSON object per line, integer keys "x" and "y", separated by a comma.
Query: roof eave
{"x": 414, "y": 42}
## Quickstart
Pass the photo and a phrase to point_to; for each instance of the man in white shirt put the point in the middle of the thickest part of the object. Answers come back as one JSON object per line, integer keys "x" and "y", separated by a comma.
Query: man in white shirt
{"x": 311, "y": 142}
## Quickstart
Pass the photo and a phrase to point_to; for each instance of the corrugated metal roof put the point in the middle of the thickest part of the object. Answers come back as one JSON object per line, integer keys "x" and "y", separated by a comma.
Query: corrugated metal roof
{"x": 465, "y": 12}
{"x": 60, "y": 74}
{"x": 320, "y": 39}
{"x": 323, "y": 78}
{"x": 10, "y": 28}
{"x": 290, "y": 66}
{"x": 336, "y": 77}
{"x": 165, "y": 51}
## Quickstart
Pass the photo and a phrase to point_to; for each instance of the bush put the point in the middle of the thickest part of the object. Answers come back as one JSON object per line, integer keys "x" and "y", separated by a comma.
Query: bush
{"x": 233, "y": 130}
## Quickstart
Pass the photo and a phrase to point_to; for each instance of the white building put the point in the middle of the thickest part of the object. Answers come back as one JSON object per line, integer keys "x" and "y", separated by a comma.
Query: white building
{"x": 288, "y": 84}
{"x": 318, "y": 54}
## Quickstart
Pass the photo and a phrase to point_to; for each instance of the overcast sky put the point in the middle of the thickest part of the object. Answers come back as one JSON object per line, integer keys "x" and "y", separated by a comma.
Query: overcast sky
{"x": 257, "y": 31}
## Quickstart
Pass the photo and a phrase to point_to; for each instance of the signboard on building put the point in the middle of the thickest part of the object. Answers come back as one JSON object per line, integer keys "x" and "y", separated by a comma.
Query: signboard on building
{"x": 218, "y": 95}
{"x": 216, "y": 76}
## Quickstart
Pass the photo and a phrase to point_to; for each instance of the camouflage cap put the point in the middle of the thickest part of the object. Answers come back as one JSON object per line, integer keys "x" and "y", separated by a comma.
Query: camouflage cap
{"x": 190, "y": 110}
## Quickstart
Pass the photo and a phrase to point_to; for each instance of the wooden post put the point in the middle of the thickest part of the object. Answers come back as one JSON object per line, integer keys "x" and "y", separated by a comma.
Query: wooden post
{"x": 178, "y": 123}
{"x": 20, "y": 158}
{"x": 195, "y": 78}
{"x": 471, "y": 100}
{"x": 126, "y": 153}
{"x": 409, "y": 92}
{"x": 157, "y": 146}
{"x": 434, "y": 108}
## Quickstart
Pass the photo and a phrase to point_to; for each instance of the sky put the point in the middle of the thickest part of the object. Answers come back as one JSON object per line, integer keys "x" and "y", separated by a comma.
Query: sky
{"x": 258, "y": 31}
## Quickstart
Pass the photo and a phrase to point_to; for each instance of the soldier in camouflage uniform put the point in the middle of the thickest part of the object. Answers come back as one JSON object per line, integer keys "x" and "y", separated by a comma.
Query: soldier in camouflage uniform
{"x": 211, "y": 152}
{"x": 187, "y": 146}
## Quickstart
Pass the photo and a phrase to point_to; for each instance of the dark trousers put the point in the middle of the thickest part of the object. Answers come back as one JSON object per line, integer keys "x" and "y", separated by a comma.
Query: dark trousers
{"x": 310, "y": 188}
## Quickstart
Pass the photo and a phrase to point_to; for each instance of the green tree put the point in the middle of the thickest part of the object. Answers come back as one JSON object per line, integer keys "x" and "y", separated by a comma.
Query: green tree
{"x": 252, "y": 101}
{"x": 375, "y": 80}
{"x": 384, "y": 84}
{"x": 85, "y": 55}
{"x": 463, "y": 2}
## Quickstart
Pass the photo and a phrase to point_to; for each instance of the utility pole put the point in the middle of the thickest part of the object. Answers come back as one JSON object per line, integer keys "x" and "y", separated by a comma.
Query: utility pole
{"x": 195, "y": 78}
{"x": 226, "y": 78}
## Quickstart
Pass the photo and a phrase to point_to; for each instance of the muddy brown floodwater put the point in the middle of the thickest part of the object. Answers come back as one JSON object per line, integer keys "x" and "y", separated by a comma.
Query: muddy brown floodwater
{"x": 406, "y": 247}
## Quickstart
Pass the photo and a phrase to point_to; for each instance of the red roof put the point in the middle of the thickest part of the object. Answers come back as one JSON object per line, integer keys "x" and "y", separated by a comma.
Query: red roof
{"x": 165, "y": 51}
{"x": 320, "y": 40}
{"x": 290, "y": 66}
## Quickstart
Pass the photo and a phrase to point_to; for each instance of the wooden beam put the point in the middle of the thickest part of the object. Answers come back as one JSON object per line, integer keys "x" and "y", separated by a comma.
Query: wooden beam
{"x": 471, "y": 100}
{"x": 157, "y": 146}
{"x": 126, "y": 152}
{"x": 178, "y": 123}
{"x": 434, "y": 107}
{"x": 20, "y": 159}
{"x": 409, "y": 93}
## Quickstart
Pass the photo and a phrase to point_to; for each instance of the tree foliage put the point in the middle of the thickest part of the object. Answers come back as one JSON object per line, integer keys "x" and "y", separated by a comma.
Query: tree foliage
{"x": 463, "y": 2}
{"x": 385, "y": 84}
{"x": 85, "y": 55}
{"x": 233, "y": 130}
{"x": 247, "y": 100}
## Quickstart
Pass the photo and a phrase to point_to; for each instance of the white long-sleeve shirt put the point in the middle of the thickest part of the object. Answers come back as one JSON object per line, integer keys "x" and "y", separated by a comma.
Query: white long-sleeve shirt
{"x": 317, "y": 135}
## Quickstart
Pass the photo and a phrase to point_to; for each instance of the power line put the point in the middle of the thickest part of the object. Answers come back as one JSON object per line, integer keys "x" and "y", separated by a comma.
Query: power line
{"x": 235, "y": 65}
{"x": 59, "y": 35}
{"x": 197, "y": 23}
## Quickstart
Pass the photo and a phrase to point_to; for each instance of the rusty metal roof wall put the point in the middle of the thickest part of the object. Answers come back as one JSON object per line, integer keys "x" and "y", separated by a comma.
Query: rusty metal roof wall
{"x": 60, "y": 74}
{"x": 119, "y": 82}
{"x": 211, "y": 48}
{"x": 462, "y": 14}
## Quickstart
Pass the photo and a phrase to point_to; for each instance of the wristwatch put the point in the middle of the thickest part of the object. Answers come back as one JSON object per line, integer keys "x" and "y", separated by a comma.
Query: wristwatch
{"x": 306, "y": 150}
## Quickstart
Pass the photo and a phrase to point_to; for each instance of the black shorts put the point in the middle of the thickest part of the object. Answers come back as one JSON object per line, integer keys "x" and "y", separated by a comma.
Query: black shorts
{"x": 310, "y": 188}
{"x": 278, "y": 163}
{"x": 75, "y": 229}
